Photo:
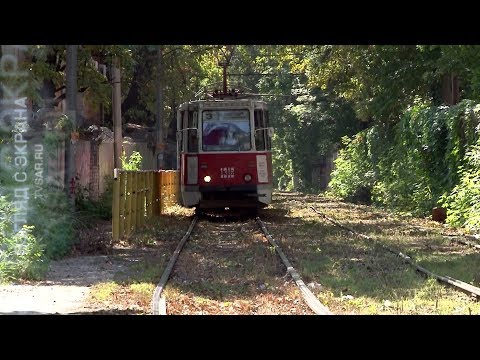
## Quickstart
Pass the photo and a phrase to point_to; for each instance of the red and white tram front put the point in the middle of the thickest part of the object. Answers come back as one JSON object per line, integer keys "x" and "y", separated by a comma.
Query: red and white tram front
{"x": 225, "y": 157}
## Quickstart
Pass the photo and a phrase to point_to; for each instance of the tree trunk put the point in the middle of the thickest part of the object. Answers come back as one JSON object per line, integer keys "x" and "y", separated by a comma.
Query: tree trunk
{"x": 160, "y": 143}
{"x": 133, "y": 93}
{"x": 71, "y": 112}
{"x": 450, "y": 89}
{"x": 117, "y": 115}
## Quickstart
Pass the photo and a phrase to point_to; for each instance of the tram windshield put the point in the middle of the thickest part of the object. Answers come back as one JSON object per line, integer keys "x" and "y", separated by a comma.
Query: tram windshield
{"x": 226, "y": 130}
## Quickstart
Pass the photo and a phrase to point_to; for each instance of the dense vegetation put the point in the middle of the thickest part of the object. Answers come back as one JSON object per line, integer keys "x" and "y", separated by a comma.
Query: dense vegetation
{"x": 421, "y": 146}
{"x": 412, "y": 165}
{"x": 405, "y": 119}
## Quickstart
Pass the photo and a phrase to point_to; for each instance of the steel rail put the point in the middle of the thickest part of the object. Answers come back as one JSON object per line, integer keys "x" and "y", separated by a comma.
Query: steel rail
{"x": 159, "y": 306}
{"x": 311, "y": 300}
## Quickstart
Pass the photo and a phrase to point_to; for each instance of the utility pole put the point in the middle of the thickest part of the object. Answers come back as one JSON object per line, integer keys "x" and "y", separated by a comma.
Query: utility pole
{"x": 160, "y": 144}
{"x": 224, "y": 63}
{"x": 117, "y": 114}
{"x": 71, "y": 112}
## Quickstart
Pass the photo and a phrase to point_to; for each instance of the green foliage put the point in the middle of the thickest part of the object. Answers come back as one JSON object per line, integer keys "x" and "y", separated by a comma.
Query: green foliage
{"x": 186, "y": 69}
{"x": 315, "y": 124}
{"x": 308, "y": 122}
{"x": 47, "y": 208}
{"x": 282, "y": 166}
{"x": 21, "y": 255}
{"x": 461, "y": 60}
{"x": 88, "y": 208}
{"x": 52, "y": 141}
{"x": 412, "y": 165}
{"x": 52, "y": 216}
{"x": 46, "y": 64}
{"x": 133, "y": 162}
{"x": 318, "y": 94}
{"x": 428, "y": 150}
{"x": 383, "y": 81}
{"x": 463, "y": 203}
{"x": 379, "y": 81}
{"x": 65, "y": 124}
{"x": 353, "y": 177}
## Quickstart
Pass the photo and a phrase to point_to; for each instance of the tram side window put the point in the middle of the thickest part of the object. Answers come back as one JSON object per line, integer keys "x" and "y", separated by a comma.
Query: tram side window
{"x": 184, "y": 132}
{"x": 180, "y": 132}
{"x": 267, "y": 124}
{"x": 259, "y": 130}
{"x": 192, "y": 131}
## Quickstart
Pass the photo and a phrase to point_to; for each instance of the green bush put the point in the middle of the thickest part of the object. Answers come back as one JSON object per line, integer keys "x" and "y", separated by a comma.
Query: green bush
{"x": 21, "y": 255}
{"x": 101, "y": 208}
{"x": 353, "y": 176}
{"x": 414, "y": 164}
{"x": 54, "y": 222}
{"x": 50, "y": 233}
{"x": 463, "y": 203}
{"x": 134, "y": 162}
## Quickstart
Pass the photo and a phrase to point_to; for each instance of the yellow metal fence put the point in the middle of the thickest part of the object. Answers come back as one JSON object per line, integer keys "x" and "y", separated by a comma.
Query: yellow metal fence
{"x": 140, "y": 195}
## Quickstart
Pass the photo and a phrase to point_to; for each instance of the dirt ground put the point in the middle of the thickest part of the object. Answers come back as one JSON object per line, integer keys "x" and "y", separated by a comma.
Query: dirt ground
{"x": 218, "y": 271}
{"x": 67, "y": 285}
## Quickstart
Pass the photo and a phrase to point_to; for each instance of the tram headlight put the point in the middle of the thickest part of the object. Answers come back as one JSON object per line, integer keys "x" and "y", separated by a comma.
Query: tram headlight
{"x": 207, "y": 179}
{"x": 247, "y": 178}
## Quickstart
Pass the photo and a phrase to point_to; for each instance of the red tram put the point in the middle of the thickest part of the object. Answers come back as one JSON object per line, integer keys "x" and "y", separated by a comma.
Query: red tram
{"x": 224, "y": 153}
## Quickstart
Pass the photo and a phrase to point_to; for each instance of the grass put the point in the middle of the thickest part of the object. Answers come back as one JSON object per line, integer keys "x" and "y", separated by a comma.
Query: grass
{"x": 133, "y": 289}
{"x": 104, "y": 291}
{"x": 141, "y": 294}
{"x": 229, "y": 268}
{"x": 360, "y": 277}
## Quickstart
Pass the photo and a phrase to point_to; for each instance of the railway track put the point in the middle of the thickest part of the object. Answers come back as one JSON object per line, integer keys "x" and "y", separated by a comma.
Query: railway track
{"x": 464, "y": 239}
{"x": 458, "y": 284}
{"x": 159, "y": 301}
{"x": 458, "y": 239}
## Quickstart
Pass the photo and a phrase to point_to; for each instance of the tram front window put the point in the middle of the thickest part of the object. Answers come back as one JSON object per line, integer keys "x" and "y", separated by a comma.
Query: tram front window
{"x": 226, "y": 130}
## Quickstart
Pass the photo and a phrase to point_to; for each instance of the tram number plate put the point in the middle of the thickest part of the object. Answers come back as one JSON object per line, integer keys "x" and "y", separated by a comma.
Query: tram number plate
{"x": 227, "y": 173}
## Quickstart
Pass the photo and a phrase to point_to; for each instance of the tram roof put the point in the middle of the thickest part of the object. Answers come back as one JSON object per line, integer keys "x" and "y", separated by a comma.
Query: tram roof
{"x": 224, "y": 102}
